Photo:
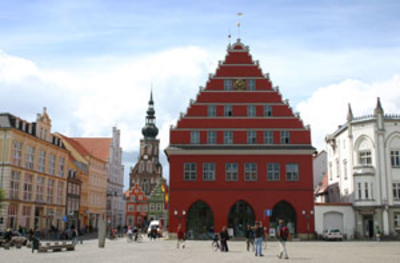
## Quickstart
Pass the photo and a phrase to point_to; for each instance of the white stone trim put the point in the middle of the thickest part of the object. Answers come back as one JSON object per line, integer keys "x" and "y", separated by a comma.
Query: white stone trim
{"x": 175, "y": 151}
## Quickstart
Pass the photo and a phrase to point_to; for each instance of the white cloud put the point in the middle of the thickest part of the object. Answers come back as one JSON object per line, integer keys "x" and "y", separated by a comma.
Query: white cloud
{"x": 327, "y": 108}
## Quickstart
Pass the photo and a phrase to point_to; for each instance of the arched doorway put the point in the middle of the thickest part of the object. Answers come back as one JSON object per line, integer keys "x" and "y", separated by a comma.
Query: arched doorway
{"x": 240, "y": 215}
{"x": 283, "y": 210}
{"x": 199, "y": 221}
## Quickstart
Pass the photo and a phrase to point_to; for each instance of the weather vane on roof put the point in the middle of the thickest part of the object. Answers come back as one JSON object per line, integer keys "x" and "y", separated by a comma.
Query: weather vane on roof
{"x": 238, "y": 24}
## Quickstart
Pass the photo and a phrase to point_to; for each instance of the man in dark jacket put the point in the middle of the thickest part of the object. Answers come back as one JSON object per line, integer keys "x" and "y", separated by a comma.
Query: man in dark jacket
{"x": 224, "y": 239}
{"x": 249, "y": 238}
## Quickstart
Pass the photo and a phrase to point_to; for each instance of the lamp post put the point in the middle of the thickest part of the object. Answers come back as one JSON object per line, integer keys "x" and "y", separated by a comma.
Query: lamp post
{"x": 308, "y": 216}
{"x": 180, "y": 215}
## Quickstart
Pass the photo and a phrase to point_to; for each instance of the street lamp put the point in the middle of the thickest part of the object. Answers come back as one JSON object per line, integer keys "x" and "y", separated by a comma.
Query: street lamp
{"x": 180, "y": 216}
{"x": 308, "y": 216}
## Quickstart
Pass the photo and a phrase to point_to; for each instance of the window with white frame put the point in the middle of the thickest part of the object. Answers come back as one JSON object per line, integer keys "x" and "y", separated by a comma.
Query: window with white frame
{"x": 251, "y": 111}
{"x": 41, "y": 161}
{"x": 231, "y": 172}
{"x": 371, "y": 187}
{"x": 365, "y": 158}
{"x": 39, "y": 189}
{"x": 397, "y": 221}
{"x": 61, "y": 164}
{"x": 195, "y": 137}
{"x": 292, "y": 172}
{"x": 227, "y": 84}
{"x": 359, "y": 186}
{"x": 285, "y": 137}
{"x": 151, "y": 207}
{"x": 395, "y": 158}
{"x": 366, "y": 189}
{"x": 50, "y": 191}
{"x": 144, "y": 208}
{"x": 251, "y": 137}
{"x": 337, "y": 168}
{"x": 28, "y": 187}
{"x": 250, "y": 172}
{"x": 12, "y": 216}
{"x": 30, "y": 157}
{"x": 190, "y": 172}
{"x": 212, "y": 111}
{"x": 251, "y": 84}
{"x": 138, "y": 208}
{"x": 228, "y": 137}
{"x": 267, "y": 111}
{"x": 273, "y": 172}
{"x": 140, "y": 197}
{"x": 60, "y": 192}
{"x": 208, "y": 171}
{"x": 133, "y": 198}
{"x": 26, "y": 216}
{"x": 14, "y": 184}
{"x": 130, "y": 208}
{"x": 345, "y": 169}
{"x": 17, "y": 153}
{"x": 211, "y": 137}
{"x": 330, "y": 171}
{"x": 228, "y": 112}
{"x": 159, "y": 207}
{"x": 396, "y": 191}
{"x": 268, "y": 137}
{"x": 52, "y": 164}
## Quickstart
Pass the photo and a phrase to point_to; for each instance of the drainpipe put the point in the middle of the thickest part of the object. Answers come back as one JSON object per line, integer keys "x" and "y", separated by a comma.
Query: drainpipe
{"x": 4, "y": 157}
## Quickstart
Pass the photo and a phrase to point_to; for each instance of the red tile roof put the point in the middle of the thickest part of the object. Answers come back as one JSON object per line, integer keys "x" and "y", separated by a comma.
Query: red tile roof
{"x": 324, "y": 185}
{"x": 76, "y": 145}
{"x": 98, "y": 147}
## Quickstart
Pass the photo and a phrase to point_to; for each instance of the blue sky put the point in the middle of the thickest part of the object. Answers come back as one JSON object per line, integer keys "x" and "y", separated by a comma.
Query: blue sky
{"x": 92, "y": 62}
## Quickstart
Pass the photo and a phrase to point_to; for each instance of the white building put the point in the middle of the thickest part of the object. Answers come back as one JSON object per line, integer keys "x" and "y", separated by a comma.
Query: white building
{"x": 364, "y": 163}
{"x": 319, "y": 167}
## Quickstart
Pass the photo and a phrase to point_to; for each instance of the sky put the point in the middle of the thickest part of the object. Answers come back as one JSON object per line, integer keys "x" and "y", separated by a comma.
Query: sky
{"x": 93, "y": 63}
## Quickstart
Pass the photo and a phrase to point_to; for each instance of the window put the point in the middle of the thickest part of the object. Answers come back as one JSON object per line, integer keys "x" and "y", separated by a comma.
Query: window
{"x": 130, "y": 208}
{"x": 337, "y": 168}
{"x": 133, "y": 198}
{"x": 395, "y": 157}
{"x": 396, "y": 191}
{"x": 28, "y": 187}
{"x": 52, "y": 164}
{"x": 138, "y": 208}
{"x": 273, "y": 172}
{"x": 17, "y": 153}
{"x": 208, "y": 171}
{"x": 60, "y": 193}
{"x": 228, "y": 112}
{"x": 330, "y": 171}
{"x": 228, "y": 137}
{"x": 365, "y": 158}
{"x": 251, "y": 84}
{"x": 39, "y": 189}
{"x": 12, "y": 216}
{"x": 292, "y": 172}
{"x": 251, "y": 111}
{"x": 285, "y": 137}
{"x": 359, "y": 191}
{"x": 268, "y": 137}
{"x": 267, "y": 111}
{"x": 366, "y": 191}
{"x": 14, "y": 185}
{"x": 397, "y": 221}
{"x": 194, "y": 137}
{"x": 250, "y": 172}
{"x": 41, "y": 161}
{"x": 251, "y": 137}
{"x": 159, "y": 207}
{"x": 50, "y": 191}
{"x": 212, "y": 111}
{"x": 190, "y": 173}
{"x": 144, "y": 208}
{"x": 26, "y": 216}
{"x": 231, "y": 172}
{"x": 372, "y": 191}
{"x": 151, "y": 207}
{"x": 211, "y": 137}
{"x": 227, "y": 84}
{"x": 61, "y": 167}
{"x": 345, "y": 169}
{"x": 30, "y": 157}
{"x": 140, "y": 197}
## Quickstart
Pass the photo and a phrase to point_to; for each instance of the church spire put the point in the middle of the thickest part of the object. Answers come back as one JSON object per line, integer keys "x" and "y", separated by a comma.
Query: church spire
{"x": 349, "y": 114}
{"x": 378, "y": 109}
{"x": 150, "y": 130}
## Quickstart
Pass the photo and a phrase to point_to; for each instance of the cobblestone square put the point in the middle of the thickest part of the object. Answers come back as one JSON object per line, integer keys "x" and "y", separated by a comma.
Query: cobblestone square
{"x": 200, "y": 251}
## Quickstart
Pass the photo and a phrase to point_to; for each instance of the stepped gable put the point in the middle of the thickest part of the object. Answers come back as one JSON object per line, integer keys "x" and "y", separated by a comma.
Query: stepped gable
{"x": 240, "y": 69}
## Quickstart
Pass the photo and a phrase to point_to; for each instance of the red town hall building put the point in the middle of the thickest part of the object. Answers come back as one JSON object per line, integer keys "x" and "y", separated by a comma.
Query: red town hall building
{"x": 238, "y": 154}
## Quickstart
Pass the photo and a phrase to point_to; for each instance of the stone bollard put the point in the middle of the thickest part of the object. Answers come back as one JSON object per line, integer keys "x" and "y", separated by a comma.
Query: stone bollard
{"x": 102, "y": 233}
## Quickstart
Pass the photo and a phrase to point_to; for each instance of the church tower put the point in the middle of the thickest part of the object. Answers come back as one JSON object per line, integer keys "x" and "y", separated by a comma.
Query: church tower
{"x": 148, "y": 170}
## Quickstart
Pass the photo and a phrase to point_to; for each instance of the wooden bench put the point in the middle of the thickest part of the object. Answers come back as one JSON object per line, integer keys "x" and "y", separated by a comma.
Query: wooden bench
{"x": 57, "y": 247}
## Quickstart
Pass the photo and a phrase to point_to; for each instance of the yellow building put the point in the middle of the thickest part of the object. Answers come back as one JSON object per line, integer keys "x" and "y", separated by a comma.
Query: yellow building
{"x": 33, "y": 173}
{"x": 95, "y": 186}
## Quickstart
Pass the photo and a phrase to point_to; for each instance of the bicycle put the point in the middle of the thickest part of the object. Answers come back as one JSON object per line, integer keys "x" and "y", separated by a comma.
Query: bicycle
{"x": 216, "y": 244}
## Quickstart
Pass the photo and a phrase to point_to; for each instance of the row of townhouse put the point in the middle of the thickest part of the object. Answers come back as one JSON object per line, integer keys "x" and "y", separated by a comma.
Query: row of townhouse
{"x": 49, "y": 180}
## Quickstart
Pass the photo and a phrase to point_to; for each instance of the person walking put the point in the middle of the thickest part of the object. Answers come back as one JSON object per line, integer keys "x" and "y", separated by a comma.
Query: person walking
{"x": 181, "y": 236}
{"x": 36, "y": 240}
{"x": 224, "y": 236}
{"x": 259, "y": 233}
{"x": 249, "y": 238}
{"x": 283, "y": 235}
